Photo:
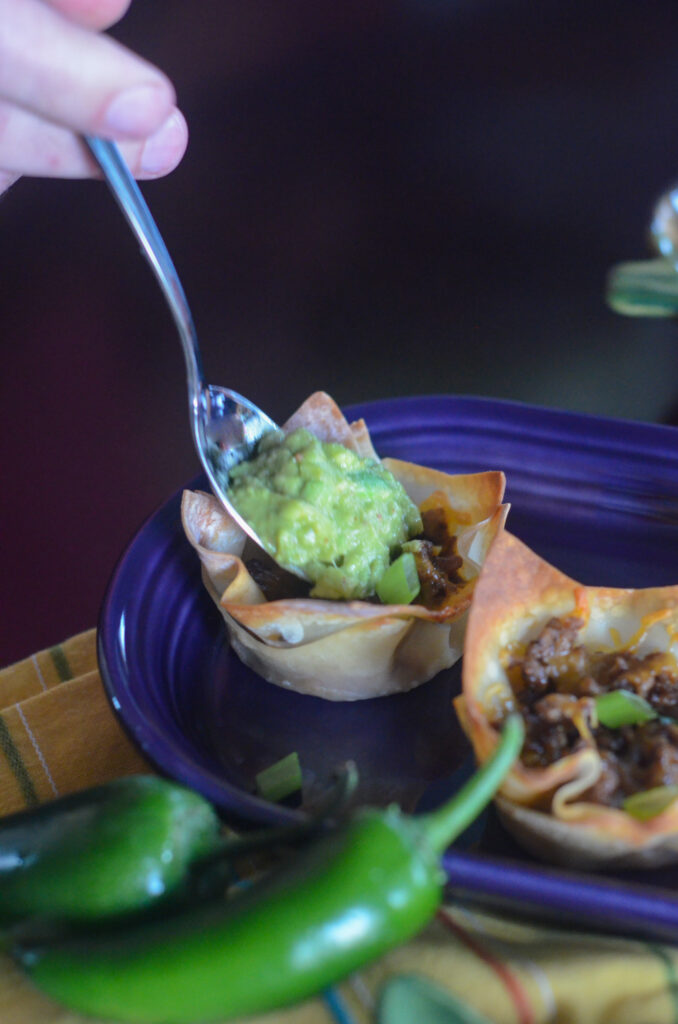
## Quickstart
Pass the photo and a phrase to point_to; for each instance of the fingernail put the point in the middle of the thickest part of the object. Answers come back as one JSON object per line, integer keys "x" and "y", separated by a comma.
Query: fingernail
{"x": 135, "y": 111}
{"x": 163, "y": 150}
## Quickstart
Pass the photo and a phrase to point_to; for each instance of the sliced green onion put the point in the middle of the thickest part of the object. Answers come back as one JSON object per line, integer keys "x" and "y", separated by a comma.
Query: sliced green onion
{"x": 623, "y": 707}
{"x": 650, "y": 802}
{"x": 281, "y": 779}
{"x": 400, "y": 583}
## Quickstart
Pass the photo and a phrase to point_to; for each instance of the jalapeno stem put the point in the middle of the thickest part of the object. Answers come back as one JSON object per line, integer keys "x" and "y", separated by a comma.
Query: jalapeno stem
{"x": 447, "y": 822}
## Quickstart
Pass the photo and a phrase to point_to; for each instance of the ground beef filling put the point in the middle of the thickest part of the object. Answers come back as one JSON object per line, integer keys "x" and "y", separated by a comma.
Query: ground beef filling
{"x": 438, "y": 566}
{"x": 551, "y": 683}
{"x": 275, "y": 583}
{"x": 438, "y": 562}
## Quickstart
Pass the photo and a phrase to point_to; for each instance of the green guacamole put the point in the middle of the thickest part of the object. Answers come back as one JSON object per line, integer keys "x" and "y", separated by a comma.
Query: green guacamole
{"x": 323, "y": 509}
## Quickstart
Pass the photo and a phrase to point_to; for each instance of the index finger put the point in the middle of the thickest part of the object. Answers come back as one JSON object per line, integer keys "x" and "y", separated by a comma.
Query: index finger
{"x": 77, "y": 78}
{"x": 96, "y": 14}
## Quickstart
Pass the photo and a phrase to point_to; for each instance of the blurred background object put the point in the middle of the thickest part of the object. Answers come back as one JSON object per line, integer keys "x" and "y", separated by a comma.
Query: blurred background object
{"x": 379, "y": 199}
{"x": 649, "y": 287}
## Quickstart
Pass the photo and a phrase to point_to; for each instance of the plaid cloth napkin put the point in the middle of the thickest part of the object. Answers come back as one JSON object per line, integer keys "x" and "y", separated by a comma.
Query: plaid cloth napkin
{"x": 57, "y": 735}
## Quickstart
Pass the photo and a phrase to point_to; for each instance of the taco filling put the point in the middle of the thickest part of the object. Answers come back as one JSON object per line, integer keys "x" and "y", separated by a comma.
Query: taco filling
{"x": 437, "y": 567}
{"x": 622, "y": 702}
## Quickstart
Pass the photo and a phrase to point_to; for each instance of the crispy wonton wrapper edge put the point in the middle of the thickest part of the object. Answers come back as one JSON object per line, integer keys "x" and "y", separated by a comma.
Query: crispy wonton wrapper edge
{"x": 516, "y": 594}
{"x": 345, "y": 650}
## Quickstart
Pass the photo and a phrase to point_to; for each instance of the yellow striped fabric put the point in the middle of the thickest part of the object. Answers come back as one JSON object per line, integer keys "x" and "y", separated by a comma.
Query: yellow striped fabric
{"x": 57, "y": 732}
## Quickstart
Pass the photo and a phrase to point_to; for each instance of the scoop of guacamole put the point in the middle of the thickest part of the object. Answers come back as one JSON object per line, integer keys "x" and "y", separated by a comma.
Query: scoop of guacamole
{"x": 325, "y": 510}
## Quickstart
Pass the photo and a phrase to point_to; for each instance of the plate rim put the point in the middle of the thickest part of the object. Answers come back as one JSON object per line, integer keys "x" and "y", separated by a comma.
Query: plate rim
{"x": 655, "y": 910}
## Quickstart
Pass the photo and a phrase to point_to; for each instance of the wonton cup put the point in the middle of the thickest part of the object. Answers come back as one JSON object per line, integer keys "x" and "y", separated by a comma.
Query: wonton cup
{"x": 516, "y": 595}
{"x": 344, "y": 650}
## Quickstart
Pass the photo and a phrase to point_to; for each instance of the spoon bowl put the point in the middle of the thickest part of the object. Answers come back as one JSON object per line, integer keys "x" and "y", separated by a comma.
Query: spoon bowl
{"x": 226, "y": 430}
{"x": 226, "y": 427}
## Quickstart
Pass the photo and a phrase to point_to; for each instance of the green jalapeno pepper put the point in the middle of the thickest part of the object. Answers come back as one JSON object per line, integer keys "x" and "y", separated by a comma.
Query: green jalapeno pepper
{"x": 347, "y": 898}
{"x": 102, "y": 852}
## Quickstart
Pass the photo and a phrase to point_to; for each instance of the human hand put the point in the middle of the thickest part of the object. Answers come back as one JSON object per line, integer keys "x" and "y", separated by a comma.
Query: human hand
{"x": 60, "y": 78}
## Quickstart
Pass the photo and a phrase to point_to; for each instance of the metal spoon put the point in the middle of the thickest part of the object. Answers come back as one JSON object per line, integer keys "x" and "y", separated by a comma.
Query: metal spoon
{"x": 226, "y": 427}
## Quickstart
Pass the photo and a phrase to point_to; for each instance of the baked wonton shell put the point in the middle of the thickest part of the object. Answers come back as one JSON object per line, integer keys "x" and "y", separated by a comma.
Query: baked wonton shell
{"x": 516, "y": 594}
{"x": 345, "y": 650}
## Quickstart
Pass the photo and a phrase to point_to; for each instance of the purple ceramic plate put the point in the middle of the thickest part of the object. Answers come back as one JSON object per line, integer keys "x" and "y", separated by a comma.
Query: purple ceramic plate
{"x": 597, "y": 497}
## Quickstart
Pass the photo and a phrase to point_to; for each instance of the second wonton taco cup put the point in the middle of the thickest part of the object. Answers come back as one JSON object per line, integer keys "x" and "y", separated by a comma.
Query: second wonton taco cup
{"x": 594, "y": 672}
{"x": 357, "y": 649}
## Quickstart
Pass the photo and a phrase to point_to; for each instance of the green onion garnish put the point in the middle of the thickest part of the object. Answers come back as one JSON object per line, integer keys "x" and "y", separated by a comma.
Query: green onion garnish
{"x": 400, "y": 583}
{"x": 623, "y": 707}
{"x": 280, "y": 779}
{"x": 651, "y": 802}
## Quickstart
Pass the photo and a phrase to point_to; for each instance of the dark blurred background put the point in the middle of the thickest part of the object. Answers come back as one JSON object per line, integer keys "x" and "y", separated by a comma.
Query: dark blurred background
{"x": 379, "y": 199}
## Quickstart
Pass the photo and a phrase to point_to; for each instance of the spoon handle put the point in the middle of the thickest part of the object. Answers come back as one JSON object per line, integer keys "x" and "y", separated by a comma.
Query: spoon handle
{"x": 133, "y": 205}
